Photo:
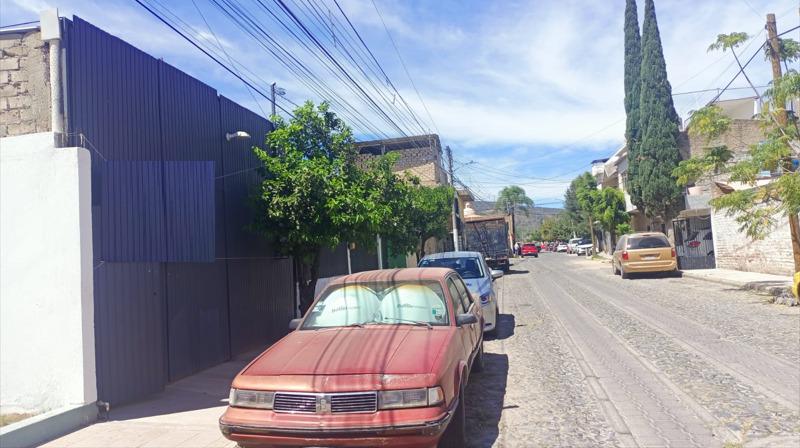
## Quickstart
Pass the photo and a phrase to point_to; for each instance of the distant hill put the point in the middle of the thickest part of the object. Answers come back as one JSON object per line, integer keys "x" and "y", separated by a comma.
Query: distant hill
{"x": 525, "y": 224}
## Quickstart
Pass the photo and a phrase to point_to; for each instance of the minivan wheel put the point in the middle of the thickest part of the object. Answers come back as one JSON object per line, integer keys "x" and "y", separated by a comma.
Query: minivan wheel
{"x": 455, "y": 434}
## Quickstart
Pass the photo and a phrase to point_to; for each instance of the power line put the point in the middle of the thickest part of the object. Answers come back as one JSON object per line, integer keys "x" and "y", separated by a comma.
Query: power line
{"x": 403, "y": 63}
{"x": 221, "y": 64}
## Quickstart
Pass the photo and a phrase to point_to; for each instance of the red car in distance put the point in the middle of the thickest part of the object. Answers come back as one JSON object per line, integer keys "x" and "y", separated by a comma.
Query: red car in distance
{"x": 530, "y": 249}
{"x": 382, "y": 358}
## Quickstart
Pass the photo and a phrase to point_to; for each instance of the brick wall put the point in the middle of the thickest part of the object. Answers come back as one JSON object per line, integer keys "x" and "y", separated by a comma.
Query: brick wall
{"x": 24, "y": 84}
{"x": 422, "y": 162}
{"x": 735, "y": 250}
{"x": 740, "y": 136}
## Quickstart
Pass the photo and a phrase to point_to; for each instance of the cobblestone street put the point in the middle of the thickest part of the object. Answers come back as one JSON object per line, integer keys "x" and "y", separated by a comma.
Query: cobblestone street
{"x": 584, "y": 358}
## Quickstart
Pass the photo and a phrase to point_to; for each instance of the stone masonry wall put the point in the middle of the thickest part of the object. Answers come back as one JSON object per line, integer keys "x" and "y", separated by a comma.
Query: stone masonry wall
{"x": 735, "y": 250}
{"x": 24, "y": 84}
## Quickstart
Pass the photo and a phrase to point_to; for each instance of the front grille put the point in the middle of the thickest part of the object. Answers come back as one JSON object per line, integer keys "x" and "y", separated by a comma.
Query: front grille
{"x": 284, "y": 402}
{"x": 355, "y": 402}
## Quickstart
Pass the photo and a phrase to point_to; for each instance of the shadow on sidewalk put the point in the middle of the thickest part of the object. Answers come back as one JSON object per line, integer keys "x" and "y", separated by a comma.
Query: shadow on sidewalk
{"x": 505, "y": 327}
{"x": 203, "y": 390}
{"x": 485, "y": 401}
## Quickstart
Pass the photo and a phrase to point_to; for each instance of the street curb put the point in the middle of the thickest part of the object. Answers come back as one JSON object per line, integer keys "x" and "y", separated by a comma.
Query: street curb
{"x": 772, "y": 288}
{"x": 44, "y": 427}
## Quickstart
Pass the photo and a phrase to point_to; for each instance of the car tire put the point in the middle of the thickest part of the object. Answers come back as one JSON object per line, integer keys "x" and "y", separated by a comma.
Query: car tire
{"x": 455, "y": 434}
{"x": 477, "y": 363}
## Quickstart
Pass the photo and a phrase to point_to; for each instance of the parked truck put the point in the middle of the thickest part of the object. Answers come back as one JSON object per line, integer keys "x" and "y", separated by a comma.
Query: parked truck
{"x": 489, "y": 236}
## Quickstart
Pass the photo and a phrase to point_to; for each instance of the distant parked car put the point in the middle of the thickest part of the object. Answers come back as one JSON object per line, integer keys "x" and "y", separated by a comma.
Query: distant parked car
{"x": 382, "y": 358}
{"x": 572, "y": 245}
{"x": 530, "y": 249}
{"x": 562, "y": 247}
{"x": 476, "y": 274}
{"x": 643, "y": 252}
{"x": 584, "y": 247}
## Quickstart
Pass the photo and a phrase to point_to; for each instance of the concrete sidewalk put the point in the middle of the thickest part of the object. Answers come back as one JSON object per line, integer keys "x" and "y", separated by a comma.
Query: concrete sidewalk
{"x": 773, "y": 284}
{"x": 184, "y": 415}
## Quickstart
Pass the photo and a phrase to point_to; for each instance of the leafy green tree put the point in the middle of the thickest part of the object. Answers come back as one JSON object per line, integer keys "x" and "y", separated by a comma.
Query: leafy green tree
{"x": 572, "y": 204}
{"x": 609, "y": 209}
{"x": 512, "y": 198}
{"x": 428, "y": 215}
{"x": 652, "y": 187}
{"x": 633, "y": 65}
{"x": 313, "y": 195}
{"x": 558, "y": 228}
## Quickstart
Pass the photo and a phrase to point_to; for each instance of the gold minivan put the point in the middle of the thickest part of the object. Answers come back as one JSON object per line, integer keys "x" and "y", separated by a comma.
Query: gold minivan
{"x": 643, "y": 252}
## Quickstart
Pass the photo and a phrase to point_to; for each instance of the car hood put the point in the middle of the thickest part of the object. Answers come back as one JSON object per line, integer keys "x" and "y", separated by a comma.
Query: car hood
{"x": 387, "y": 350}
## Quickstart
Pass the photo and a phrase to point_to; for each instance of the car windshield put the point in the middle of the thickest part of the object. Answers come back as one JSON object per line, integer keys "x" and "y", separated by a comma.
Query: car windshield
{"x": 467, "y": 267}
{"x": 372, "y": 303}
{"x": 648, "y": 242}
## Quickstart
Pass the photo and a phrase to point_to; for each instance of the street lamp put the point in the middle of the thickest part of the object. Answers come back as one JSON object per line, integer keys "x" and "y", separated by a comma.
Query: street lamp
{"x": 238, "y": 135}
{"x": 276, "y": 91}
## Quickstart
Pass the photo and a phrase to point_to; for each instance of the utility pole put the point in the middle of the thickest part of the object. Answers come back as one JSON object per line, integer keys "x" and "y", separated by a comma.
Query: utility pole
{"x": 455, "y": 196}
{"x": 779, "y": 107}
{"x": 272, "y": 98}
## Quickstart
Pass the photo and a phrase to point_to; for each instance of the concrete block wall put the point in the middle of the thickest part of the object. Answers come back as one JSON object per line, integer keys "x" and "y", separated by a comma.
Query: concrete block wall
{"x": 24, "y": 84}
{"x": 735, "y": 250}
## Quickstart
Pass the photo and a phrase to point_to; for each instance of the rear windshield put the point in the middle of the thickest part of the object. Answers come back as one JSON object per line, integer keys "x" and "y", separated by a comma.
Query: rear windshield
{"x": 648, "y": 242}
{"x": 467, "y": 267}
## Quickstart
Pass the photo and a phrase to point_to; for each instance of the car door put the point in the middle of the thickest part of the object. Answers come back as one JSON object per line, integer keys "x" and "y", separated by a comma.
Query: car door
{"x": 464, "y": 336}
{"x": 473, "y": 306}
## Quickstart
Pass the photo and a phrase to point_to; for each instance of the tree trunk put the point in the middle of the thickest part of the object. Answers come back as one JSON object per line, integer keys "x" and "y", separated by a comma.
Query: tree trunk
{"x": 794, "y": 228}
{"x": 307, "y": 275}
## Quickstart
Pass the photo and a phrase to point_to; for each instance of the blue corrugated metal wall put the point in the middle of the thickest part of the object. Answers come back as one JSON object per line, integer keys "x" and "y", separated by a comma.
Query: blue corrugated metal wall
{"x": 157, "y": 321}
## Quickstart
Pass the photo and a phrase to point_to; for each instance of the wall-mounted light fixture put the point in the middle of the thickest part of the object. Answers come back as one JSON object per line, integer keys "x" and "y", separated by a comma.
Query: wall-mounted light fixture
{"x": 238, "y": 135}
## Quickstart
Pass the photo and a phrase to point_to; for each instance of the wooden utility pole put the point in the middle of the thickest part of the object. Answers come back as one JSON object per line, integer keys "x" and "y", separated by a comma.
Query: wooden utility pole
{"x": 779, "y": 106}
{"x": 455, "y": 196}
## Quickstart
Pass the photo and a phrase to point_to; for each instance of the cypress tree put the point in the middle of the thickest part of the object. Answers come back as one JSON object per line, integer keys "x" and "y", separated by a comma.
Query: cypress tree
{"x": 633, "y": 64}
{"x": 657, "y": 151}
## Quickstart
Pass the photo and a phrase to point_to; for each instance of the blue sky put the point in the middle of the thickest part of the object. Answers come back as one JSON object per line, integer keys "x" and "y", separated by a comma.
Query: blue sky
{"x": 525, "y": 92}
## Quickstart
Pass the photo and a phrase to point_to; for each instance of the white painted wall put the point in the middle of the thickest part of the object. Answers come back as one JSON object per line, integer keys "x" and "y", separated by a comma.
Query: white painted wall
{"x": 47, "y": 358}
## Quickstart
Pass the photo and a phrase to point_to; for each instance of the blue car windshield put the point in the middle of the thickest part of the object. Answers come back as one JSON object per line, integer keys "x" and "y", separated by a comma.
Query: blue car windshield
{"x": 467, "y": 267}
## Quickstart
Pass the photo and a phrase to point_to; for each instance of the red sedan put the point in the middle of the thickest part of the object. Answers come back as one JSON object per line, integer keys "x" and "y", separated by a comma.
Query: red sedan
{"x": 530, "y": 249}
{"x": 382, "y": 358}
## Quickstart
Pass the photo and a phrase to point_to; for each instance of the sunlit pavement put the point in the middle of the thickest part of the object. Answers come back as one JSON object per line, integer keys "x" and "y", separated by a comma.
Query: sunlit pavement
{"x": 585, "y": 358}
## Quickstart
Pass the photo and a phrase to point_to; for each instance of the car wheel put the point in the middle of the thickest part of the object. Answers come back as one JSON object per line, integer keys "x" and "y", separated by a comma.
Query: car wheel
{"x": 455, "y": 434}
{"x": 477, "y": 363}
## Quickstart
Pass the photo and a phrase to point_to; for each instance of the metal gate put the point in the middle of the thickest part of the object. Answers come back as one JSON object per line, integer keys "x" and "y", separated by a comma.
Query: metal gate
{"x": 694, "y": 242}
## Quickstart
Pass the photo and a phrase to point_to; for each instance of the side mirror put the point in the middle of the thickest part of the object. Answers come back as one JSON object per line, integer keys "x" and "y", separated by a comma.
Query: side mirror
{"x": 496, "y": 273}
{"x": 466, "y": 319}
{"x": 294, "y": 323}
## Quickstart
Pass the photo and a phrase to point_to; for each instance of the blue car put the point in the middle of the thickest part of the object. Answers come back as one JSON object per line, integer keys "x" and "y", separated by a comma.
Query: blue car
{"x": 472, "y": 267}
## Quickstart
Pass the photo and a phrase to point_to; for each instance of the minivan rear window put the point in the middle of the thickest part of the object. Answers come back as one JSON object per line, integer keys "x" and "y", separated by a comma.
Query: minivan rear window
{"x": 648, "y": 242}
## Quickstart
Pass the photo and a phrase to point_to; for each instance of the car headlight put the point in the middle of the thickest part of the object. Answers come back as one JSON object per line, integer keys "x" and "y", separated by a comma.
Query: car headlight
{"x": 485, "y": 298}
{"x": 410, "y": 398}
{"x": 251, "y": 399}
